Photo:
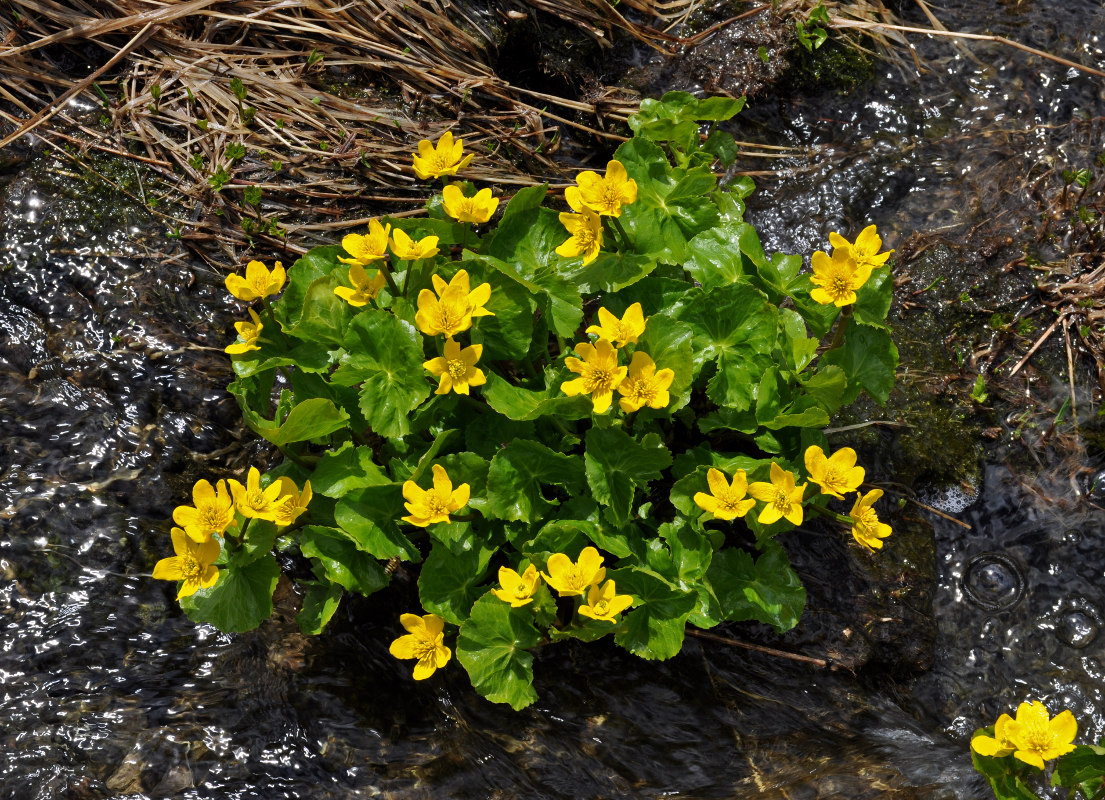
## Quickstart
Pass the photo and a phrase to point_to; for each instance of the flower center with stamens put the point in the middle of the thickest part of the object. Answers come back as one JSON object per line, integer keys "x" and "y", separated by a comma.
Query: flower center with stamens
{"x": 1037, "y": 736}
{"x": 457, "y": 369}
{"x": 781, "y": 500}
{"x": 585, "y": 237}
{"x": 729, "y": 501}
{"x": 209, "y": 515}
{"x": 839, "y": 287}
{"x": 641, "y": 392}
{"x": 436, "y": 506}
{"x": 425, "y": 649}
{"x": 599, "y": 380}
{"x": 611, "y": 201}
{"x": 190, "y": 568}
{"x": 255, "y": 498}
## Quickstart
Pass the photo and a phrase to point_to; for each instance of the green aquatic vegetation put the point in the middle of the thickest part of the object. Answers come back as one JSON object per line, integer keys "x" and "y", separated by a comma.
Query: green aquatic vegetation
{"x": 565, "y": 424}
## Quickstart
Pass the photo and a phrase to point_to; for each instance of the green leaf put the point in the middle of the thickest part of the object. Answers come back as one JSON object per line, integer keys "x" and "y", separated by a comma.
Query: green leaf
{"x": 368, "y": 518}
{"x": 341, "y": 560}
{"x": 319, "y": 604}
{"x": 610, "y": 272}
{"x": 519, "y": 404}
{"x": 506, "y": 335}
{"x": 384, "y": 355}
{"x": 316, "y": 264}
{"x": 868, "y": 358}
{"x": 766, "y": 589}
{"x": 240, "y": 600}
{"x": 654, "y": 628}
{"x": 493, "y": 647}
{"x": 691, "y": 552}
{"x": 617, "y": 464}
{"x": 344, "y": 469}
{"x": 310, "y": 419}
{"x": 714, "y": 256}
{"x": 450, "y": 581}
{"x": 517, "y": 474}
{"x": 798, "y": 348}
{"x": 325, "y": 316}
{"x": 1083, "y": 767}
{"x": 874, "y": 298}
{"x": 733, "y": 321}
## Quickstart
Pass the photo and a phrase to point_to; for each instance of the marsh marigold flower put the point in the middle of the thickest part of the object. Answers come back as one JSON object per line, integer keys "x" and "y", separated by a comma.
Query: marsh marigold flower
{"x": 476, "y": 209}
{"x": 249, "y": 333}
{"x": 783, "y": 498}
{"x": 424, "y": 641}
{"x": 599, "y": 373}
{"x": 212, "y": 512}
{"x": 193, "y": 564}
{"x": 444, "y": 159}
{"x": 258, "y": 282}
{"x": 837, "y": 278}
{"x": 457, "y": 368}
{"x": 427, "y": 506}
{"x": 364, "y": 287}
{"x": 253, "y": 501}
{"x": 586, "y": 234}
{"x": 726, "y": 501}
{"x": 835, "y": 474}
{"x": 450, "y": 311}
{"x": 604, "y": 603}
{"x": 620, "y": 331}
{"x": 291, "y": 503}
{"x": 517, "y": 589}
{"x": 603, "y": 194}
{"x": 866, "y": 527}
{"x": 1038, "y": 738}
{"x": 643, "y": 385}
{"x": 571, "y": 578}
{"x": 365, "y": 249}
{"x": 1001, "y": 743}
{"x": 866, "y": 248}
{"x": 408, "y": 249}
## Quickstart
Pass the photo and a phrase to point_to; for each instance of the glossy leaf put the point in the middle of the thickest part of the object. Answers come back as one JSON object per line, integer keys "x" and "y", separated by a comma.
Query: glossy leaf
{"x": 493, "y": 646}
{"x": 240, "y": 600}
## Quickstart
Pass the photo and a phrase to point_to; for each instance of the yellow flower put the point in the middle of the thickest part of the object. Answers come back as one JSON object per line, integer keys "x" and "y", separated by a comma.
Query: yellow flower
{"x": 253, "y": 501}
{"x": 477, "y": 209}
{"x": 427, "y": 506}
{"x": 424, "y": 641}
{"x": 643, "y": 385}
{"x": 290, "y": 501}
{"x": 620, "y": 331}
{"x": 408, "y": 249}
{"x": 604, "y": 603}
{"x": 249, "y": 332}
{"x": 586, "y": 231}
{"x": 836, "y": 474}
{"x": 866, "y": 527}
{"x": 213, "y": 511}
{"x": 572, "y": 578}
{"x": 837, "y": 278}
{"x": 452, "y": 309}
{"x": 1001, "y": 743}
{"x": 366, "y": 249}
{"x": 457, "y": 368}
{"x": 1038, "y": 738}
{"x": 866, "y": 248}
{"x": 599, "y": 373}
{"x": 783, "y": 498}
{"x": 194, "y": 564}
{"x": 725, "y": 501}
{"x": 257, "y": 283}
{"x": 517, "y": 589}
{"x": 606, "y": 194}
{"x": 434, "y": 162}
{"x": 364, "y": 288}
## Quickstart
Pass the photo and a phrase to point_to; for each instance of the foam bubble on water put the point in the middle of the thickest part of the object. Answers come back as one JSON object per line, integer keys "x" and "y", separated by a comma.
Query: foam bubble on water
{"x": 951, "y": 499}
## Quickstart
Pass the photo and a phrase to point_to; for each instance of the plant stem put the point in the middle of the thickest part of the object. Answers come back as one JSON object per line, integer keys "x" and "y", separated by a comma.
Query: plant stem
{"x": 386, "y": 269}
{"x": 617, "y": 223}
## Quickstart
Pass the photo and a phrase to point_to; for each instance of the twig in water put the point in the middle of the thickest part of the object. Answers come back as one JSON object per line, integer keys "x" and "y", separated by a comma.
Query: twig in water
{"x": 759, "y": 648}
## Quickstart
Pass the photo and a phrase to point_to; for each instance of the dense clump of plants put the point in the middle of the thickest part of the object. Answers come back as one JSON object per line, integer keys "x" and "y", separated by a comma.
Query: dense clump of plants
{"x": 564, "y": 423}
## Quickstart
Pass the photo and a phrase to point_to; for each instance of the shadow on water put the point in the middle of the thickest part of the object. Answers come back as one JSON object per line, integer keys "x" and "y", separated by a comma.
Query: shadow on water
{"x": 111, "y": 405}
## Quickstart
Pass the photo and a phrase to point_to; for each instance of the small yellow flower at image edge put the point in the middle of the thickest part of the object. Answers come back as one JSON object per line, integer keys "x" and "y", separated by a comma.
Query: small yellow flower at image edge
{"x": 258, "y": 282}
{"x": 605, "y": 194}
{"x": 836, "y": 474}
{"x": 726, "y": 501}
{"x": 443, "y": 159}
{"x": 572, "y": 578}
{"x": 865, "y": 250}
{"x": 427, "y": 506}
{"x": 457, "y": 368}
{"x": 477, "y": 209}
{"x": 1034, "y": 737}
{"x": 451, "y": 309}
{"x": 364, "y": 249}
{"x": 599, "y": 373}
{"x": 424, "y": 641}
{"x": 193, "y": 564}
{"x": 518, "y": 590}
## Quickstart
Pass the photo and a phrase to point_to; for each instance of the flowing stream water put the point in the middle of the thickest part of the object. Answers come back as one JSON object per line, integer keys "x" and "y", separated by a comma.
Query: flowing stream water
{"x": 112, "y": 405}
